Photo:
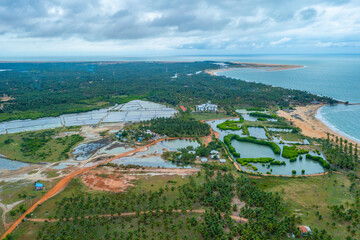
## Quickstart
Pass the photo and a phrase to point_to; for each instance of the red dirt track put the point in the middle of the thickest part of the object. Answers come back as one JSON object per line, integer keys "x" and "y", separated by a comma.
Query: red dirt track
{"x": 64, "y": 181}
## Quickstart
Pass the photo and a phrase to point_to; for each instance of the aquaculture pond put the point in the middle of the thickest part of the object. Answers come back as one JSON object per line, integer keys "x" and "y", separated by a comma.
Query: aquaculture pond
{"x": 223, "y": 133}
{"x": 257, "y": 132}
{"x": 247, "y": 117}
{"x": 116, "y": 148}
{"x": 86, "y": 150}
{"x": 251, "y": 150}
{"x": 152, "y": 156}
{"x": 6, "y": 164}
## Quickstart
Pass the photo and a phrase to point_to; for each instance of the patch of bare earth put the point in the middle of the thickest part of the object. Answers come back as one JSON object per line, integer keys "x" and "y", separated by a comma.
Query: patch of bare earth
{"x": 118, "y": 179}
{"x": 103, "y": 181}
{"x": 239, "y": 204}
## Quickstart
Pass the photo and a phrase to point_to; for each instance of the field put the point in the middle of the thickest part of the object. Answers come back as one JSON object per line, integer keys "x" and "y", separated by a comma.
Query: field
{"x": 290, "y": 137}
{"x": 40, "y": 146}
{"x": 307, "y": 196}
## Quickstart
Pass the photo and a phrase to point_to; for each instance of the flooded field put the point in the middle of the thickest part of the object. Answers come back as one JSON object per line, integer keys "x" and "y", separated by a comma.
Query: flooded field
{"x": 6, "y": 164}
{"x": 133, "y": 111}
{"x": 251, "y": 150}
{"x": 152, "y": 156}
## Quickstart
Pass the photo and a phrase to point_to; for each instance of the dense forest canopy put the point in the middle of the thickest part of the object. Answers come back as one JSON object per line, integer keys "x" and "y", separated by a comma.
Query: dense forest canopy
{"x": 50, "y": 89}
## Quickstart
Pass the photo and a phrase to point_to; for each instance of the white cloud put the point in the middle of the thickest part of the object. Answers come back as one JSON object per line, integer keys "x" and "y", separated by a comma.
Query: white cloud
{"x": 280, "y": 41}
{"x": 138, "y": 25}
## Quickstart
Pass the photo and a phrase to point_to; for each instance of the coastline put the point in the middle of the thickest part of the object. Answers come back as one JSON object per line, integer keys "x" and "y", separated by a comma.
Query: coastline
{"x": 306, "y": 119}
{"x": 273, "y": 67}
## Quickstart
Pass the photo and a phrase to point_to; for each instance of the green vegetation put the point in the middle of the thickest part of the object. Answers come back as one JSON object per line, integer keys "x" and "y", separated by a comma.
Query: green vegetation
{"x": 269, "y": 217}
{"x": 255, "y": 109}
{"x": 290, "y": 137}
{"x": 177, "y": 127}
{"x": 263, "y": 115}
{"x": 329, "y": 190}
{"x": 227, "y": 141}
{"x": 230, "y": 125}
{"x": 276, "y": 149}
{"x": 245, "y": 161}
{"x": 262, "y": 119}
{"x": 322, "y": 162}
{"x": 278, "y": 163}
{"x": 245, "y": 130}
{"x": 208, "y": 115}
{"x": 39, "y": 146}
{"x": 51, "y": 89}
{"x": 340, "y": 153}
{"x": 292, "y": 152}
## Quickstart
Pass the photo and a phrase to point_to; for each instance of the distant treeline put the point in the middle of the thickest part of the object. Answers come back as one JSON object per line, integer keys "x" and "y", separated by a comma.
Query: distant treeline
{"x": 51, "y": 89}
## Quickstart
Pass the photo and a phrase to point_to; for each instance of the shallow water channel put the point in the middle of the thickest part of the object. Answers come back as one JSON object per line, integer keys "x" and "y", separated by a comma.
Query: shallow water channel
{"x": 10, "y": 164}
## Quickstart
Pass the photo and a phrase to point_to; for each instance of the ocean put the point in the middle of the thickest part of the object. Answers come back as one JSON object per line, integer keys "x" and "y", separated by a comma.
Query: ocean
{"x": 335, "y": 76}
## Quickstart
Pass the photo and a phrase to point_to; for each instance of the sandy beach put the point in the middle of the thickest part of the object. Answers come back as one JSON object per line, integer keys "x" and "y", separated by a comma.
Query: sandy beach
{"x": 269, "y": 67}
{"x": 305, "y": 119}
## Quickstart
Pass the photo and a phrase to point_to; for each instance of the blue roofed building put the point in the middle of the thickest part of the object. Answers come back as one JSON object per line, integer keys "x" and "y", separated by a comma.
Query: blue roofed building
{"x": 39, "y": 186}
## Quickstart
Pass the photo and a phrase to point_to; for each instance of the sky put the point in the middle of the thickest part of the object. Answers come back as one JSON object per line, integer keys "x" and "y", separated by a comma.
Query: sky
{"x": 180, "y": 27}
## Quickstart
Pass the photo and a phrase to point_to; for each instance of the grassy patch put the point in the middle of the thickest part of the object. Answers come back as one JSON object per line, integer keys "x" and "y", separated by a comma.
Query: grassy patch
{"x": 309, "y": 195}
{"x": 38, "y": 146}
{"x": 51, "y": 174}
{"x": 208, "y": 115}
{"x": 290, "y": 137}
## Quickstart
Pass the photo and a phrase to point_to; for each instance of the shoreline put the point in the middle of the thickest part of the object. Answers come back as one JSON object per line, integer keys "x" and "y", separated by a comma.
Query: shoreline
{"x": 273, "y": 67}
{"x": 306, "y": 119}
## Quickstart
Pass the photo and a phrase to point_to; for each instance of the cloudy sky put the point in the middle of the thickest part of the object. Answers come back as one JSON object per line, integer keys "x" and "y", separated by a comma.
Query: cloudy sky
{"x": 142, "y": 27}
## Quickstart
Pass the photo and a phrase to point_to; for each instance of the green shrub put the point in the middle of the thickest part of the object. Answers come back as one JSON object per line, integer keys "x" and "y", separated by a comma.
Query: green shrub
{"x": 264, "y": 115}
{"x": 245, "y": 161}
{"x": 322, "y": 162}
{"x": 292, "y": 152}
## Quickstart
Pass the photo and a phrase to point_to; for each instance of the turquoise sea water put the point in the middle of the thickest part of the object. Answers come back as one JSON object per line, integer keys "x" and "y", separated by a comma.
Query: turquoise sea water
{"x": 336, "y": 76}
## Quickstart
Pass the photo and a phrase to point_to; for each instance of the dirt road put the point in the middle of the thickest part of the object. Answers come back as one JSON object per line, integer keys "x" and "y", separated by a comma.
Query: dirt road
{"x": 63, "y": 182}
{"x": 236, "y": 218}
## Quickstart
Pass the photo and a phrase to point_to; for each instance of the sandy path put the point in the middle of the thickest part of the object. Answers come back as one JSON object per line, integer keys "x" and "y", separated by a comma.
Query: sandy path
{"x": 237, "y": 218}
{"x": 305, "y": 119}
{"x": 64, "y": 181}
{"x": 7, "y": 208}
{"x": 273, "y": 67}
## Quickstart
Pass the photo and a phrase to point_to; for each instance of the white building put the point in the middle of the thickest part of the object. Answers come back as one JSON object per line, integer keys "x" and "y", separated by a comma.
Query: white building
{"x": 222, "y": 160}
{"x": 206, "y": 107}
{"x": 204, "y": 160}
